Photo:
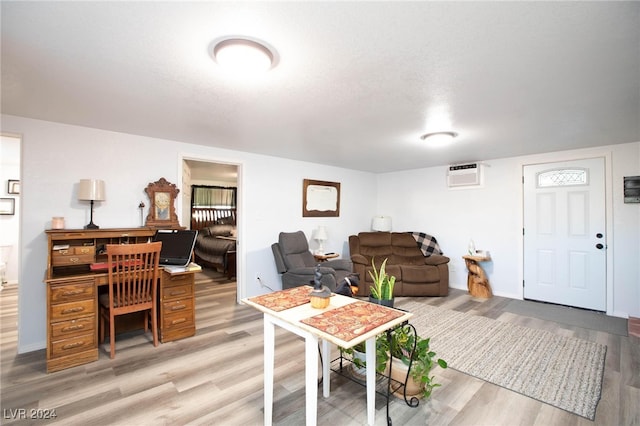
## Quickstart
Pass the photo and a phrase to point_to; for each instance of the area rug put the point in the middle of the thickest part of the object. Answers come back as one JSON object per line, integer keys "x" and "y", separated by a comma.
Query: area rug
{"x": 561, "y": 371}
{"x": 569, "y": 316}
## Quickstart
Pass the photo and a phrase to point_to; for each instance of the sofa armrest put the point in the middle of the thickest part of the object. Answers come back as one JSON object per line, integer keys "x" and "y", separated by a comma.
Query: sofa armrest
{"x": 338, "y": 264}
{"x": 358, "y": 258}
{"x": 310, "y": 271}
{"x": 436, "y": 259}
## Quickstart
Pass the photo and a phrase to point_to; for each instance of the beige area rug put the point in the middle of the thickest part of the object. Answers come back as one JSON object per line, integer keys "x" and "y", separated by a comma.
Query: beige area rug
{"x": 561, "y": 371}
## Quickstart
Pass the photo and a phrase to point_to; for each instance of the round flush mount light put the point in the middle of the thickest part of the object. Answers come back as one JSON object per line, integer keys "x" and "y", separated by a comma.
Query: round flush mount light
{"x": 243, "y": 55}
{"x": 439, "y": 138}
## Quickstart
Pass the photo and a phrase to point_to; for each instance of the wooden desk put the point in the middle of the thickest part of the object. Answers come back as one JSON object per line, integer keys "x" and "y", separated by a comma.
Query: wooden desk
{"x": 72, "y": 294}
{"x": 297, "y": 319}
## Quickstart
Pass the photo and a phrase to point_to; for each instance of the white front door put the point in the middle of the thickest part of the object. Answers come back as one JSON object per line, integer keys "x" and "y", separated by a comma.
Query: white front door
{"x": 564, "y": 233}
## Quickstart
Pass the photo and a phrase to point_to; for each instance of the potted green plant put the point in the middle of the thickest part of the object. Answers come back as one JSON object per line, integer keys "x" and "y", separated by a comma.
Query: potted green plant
{"x": 408, "y": 350}
{"x": 382, "y": 288}
{"x": 357, "y": 355}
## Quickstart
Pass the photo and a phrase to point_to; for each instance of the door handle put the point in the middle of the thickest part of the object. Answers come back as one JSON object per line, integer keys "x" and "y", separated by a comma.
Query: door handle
{"x": 599, "y": 235}
{"x": 599, "y": 246}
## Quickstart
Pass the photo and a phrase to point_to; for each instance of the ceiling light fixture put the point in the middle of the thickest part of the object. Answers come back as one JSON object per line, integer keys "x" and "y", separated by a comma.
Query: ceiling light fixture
{"x": 240, "y": 54}
{"x": 439, "y": 138}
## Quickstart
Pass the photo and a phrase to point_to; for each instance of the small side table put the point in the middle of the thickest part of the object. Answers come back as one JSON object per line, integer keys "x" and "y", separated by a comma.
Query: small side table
{"x": 477, "y": 281}
{"x": 325, "y": 257}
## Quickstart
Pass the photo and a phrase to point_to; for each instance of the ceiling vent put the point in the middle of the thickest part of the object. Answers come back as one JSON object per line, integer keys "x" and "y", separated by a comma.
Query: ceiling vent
{"x": 461, "y": 175}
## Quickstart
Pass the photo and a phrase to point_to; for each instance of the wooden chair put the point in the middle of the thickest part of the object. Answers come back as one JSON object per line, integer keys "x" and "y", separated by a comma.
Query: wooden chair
{"x": 133, "y": 282}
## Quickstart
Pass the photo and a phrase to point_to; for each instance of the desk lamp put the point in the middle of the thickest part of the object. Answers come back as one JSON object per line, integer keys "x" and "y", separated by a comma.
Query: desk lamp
{"x": 91, "y": 190}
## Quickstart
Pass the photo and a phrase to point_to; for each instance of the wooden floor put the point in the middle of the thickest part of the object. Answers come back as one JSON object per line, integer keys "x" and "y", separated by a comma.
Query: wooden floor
{"x": 215, "y": 377}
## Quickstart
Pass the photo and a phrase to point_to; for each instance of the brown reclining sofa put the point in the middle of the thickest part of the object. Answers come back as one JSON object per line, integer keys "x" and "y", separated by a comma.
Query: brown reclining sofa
{"x": 416, "y": 274}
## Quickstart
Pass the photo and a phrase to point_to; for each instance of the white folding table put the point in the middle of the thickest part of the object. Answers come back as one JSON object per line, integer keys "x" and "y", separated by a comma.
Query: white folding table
{"x": 291, "y": 319}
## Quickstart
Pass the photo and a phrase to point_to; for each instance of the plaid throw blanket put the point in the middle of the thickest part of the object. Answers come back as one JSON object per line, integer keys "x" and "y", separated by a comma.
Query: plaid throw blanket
{"x": 427, "y": 244}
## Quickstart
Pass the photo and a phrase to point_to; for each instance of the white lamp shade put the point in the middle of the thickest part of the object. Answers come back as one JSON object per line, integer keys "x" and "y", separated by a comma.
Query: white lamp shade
{"x": 91, "y": 189}
{"x": 320, "y": 233}
{"x": 381, "y": 223}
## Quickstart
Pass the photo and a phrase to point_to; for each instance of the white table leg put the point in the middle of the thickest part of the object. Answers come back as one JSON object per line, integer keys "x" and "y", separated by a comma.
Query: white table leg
{"x": 311, "y": 374}
{"x": 269, "y": 360}
{"x": 326, "y": 371}
{"x": 371, "y": 380}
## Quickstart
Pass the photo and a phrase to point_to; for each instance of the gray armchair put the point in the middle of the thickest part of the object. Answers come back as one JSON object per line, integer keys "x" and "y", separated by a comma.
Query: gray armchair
{"x": 297, "y": 265}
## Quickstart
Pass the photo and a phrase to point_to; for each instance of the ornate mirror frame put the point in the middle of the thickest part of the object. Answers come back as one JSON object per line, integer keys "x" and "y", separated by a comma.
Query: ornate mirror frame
{"x": 162, "y": 211}
{"x": 320, "y": 198}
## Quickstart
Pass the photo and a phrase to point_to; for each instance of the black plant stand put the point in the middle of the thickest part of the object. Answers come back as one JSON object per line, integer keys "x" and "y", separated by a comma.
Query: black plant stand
{"x": 339, "y": 366}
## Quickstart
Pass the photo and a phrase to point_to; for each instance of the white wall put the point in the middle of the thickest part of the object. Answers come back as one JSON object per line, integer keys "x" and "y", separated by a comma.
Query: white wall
{"x": 9, "y": 224}
{"x": 492, "y": 216}
{"x": 57, "y": 156}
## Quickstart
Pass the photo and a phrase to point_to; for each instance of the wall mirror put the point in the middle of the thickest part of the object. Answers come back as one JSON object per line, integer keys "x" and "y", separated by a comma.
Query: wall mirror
{"x": 320, "y": 198}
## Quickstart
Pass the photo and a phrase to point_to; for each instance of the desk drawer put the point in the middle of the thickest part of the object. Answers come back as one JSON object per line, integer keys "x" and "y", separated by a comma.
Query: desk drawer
{"x": 72, "y": 310}
{"x": 73, "y": 345}
{"x": 73, "y": 259}
{"x": 178, "y": 291}
{"x": 178, "y": 313}
{"x": 177, "y": 320}
{"x": 172, "y": 306}
{"x": 170, "y": 280}
{"x": 70, "y": 328}
{"x": 70, "y": 292}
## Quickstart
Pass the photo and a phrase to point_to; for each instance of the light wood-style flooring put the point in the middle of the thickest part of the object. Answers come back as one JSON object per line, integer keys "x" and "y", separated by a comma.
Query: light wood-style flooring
{"x": 215, "y": 377}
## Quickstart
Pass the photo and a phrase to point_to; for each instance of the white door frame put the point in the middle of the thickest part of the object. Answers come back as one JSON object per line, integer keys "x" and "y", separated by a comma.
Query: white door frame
{"x": 241, "y": 288}
{"x": 608, "y": 189}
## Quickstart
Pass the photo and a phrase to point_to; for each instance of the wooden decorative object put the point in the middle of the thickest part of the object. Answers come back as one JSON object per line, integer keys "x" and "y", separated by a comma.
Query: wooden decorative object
{"x": 162, "y": 210}
{"x": 477, "y": 281}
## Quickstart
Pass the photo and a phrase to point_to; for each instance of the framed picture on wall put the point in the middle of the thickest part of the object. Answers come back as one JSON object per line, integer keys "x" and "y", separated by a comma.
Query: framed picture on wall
{"x": 13, "y": 186}
{"x": 7, "y": 206}
{"x": 320, "y": 198}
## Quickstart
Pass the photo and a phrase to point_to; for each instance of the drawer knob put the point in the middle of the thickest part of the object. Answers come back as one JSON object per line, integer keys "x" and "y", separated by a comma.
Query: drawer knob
{"x": 73, "y": 327}
{"x": 178, "y": 307}
{"x": 178, "y": 321}
{"x": 178, "y": 292}
{"x": 72, "y": 292}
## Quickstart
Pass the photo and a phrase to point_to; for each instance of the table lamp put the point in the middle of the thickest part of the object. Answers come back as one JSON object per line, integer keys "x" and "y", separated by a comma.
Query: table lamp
{"x": 320, "y": 235}
{"x": 91, "y": 190}
{"x": 381, "y": 223}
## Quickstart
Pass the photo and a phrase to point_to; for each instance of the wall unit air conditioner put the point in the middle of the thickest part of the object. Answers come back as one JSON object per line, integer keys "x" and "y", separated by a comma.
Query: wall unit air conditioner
{"x": 461, "y": 175}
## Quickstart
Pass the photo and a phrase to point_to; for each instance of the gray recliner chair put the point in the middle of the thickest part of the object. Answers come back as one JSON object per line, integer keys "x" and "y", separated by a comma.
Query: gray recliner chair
{"x": 297, "y": 265}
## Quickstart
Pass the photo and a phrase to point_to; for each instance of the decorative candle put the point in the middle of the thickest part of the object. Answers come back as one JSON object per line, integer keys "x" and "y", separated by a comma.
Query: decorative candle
{"x": 57, "y": 222}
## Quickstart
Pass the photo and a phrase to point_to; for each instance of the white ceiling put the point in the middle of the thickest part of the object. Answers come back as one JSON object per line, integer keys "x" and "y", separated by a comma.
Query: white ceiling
{"x": 356, "y": 85}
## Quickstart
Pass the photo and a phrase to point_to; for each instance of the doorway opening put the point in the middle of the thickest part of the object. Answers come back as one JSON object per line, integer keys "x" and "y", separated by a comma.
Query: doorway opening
{"x": 10, "y": 148}
{"x": 211, "y": 205}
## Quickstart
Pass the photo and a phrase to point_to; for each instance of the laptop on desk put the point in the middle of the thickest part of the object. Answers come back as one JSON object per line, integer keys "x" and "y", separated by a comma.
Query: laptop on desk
{"x": 177, "y": 246}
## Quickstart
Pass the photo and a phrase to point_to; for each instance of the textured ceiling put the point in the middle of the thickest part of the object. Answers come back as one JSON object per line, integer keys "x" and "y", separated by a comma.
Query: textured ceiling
{"x": 356, "y": 85}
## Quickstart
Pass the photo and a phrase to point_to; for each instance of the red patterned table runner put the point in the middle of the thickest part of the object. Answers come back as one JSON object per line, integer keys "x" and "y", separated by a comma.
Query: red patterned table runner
{"x": 352, "y": 320}
{"x": 284, "y": 299}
